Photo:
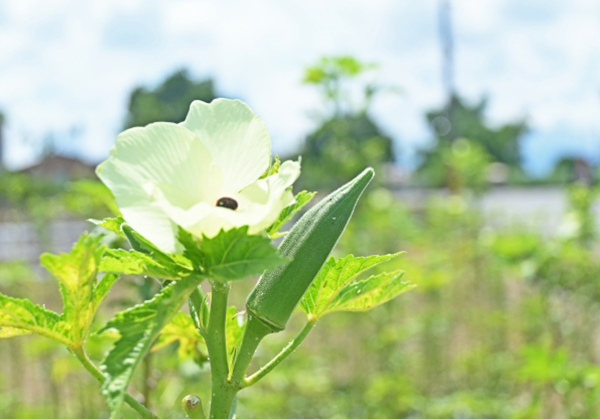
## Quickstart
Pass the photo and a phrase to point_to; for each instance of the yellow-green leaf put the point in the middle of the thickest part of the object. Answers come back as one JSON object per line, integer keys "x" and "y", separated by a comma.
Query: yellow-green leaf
{"x": 136, "y": 263}
{"x": 369, "y": 293}
{"x": 76, "y": 272}
{"x": 111, "y": 224}
{"x": 333, "y": 278}
{"x": 20, "y": 317}
{"x": 181, "y": 329}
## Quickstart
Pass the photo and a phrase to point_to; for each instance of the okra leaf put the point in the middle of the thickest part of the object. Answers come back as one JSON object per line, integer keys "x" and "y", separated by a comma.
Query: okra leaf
{"x": 191, "y": 248}
{"x": 333, "y": 278}
{"x": 9, "y": 332}
{"x": 22, "y": 317}
{"x": 369, "y": 293}
{"x": 302, "y": 198}
{"x": 138, "y": 328}
{"x": 234, "y": 254}
{"x": 136, "y": 263}
{"x": 76, "y": 273}
{"x": 102, "y": 288}
{"x": 143, "y": 245}
{"x": 234, "y": 327}
{"x": 181, "y": 329}
{"x": 111, "y": 224}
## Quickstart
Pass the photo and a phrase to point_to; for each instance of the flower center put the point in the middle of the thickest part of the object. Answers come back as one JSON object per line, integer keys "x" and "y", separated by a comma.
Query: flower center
{"x": 227, "y": 203}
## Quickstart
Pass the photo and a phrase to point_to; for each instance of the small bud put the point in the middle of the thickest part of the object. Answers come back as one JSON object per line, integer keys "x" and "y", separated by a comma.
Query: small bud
{"x": 193, "y": 407}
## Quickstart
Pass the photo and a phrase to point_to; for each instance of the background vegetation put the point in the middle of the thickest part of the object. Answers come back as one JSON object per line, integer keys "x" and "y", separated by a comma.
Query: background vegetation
{"x": 503, "y": 322}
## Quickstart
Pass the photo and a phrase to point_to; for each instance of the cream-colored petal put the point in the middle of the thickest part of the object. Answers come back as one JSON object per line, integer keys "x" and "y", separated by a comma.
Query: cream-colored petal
{"x": 259, "y": 206}
{"x": 165, "y": 156}
{"x": 237, "y": 139}
{"x": 152, "y": 223}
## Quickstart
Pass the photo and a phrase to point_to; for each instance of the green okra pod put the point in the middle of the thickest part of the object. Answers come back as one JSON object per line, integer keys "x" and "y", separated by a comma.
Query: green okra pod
{"x": 308, "y": 244}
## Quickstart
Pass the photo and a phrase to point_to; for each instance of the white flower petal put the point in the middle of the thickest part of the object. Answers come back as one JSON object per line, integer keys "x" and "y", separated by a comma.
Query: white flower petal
{"x": 259, "y": 206}
{"x": 268, "y": 197}
{"x": 164, "y": 156}
{"x": 152, "y": 223}
{"x": 237, "y": 139}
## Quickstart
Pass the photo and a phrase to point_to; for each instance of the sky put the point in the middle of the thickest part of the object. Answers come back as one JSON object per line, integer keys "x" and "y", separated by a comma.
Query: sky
{"x": 68, "y": 66}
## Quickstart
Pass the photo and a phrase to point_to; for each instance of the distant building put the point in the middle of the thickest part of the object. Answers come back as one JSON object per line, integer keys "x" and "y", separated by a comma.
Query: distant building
{"x": 60, "y": 169}
{"x": 21, "y": 238}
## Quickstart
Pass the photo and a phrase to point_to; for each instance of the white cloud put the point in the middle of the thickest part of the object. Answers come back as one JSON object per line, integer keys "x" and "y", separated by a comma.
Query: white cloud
{"x": 69, "y": 63}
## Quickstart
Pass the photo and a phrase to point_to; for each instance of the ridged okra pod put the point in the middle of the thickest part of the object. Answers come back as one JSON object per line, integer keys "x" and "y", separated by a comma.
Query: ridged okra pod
{"x": 308, "y": 244}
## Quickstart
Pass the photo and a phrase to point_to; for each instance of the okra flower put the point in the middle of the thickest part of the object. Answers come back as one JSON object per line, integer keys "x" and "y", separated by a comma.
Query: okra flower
{"x": 203, "y": 174}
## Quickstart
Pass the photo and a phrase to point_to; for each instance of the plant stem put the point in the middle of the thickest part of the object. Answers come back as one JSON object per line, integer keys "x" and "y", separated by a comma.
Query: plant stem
{"x": 255, "y": 331}
{"x": 285, "y": 352}
{"x": 93, "y": 369}
{"x": 147, "y": 382}
{"x": 223, "y": 393}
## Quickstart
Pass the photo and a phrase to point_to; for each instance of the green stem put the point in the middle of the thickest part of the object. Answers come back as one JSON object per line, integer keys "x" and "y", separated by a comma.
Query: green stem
{"x": 255, "y": 331}
{"x": 223, "y": 393}
{"x": 285, "y": 352}
{"x": 93, "y": 369}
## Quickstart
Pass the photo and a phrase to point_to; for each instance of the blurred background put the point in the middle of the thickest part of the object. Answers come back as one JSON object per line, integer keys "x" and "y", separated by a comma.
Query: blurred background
{"x": 482, "y": 120}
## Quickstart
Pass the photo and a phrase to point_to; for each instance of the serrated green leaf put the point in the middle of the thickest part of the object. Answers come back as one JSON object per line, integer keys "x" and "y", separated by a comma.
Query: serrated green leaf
{"x": 173, "y": 263}
{"x": 20, "y": 316}
{"x": 181, "y": 329}
{"x": 191, "y": 248}
{"x": 332, "y": 279}
{"x": 302, "y": 198}
{"x": 143, "y": 245}
{"x": 234, "y": 254}
{"x": 111, "y": 224}
{"x": 138, "y": 328}
{"x": 9, "y": 332}
{"x": 76, "y": 272}
{"x": 234, "y": 330}
{"x": 102, "y": 288}
{"x": 369, "y": 293}
{"x": 132, "y": 262}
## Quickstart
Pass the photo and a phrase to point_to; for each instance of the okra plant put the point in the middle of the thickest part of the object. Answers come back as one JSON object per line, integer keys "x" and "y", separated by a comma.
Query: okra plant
{"x": 202, "y": 201}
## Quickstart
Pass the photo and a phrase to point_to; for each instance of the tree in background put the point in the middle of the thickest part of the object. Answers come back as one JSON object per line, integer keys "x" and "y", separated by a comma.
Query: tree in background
{"x": 346, "y": 139}
{"x": 169, "y": 101}
{"x": 502, "y": 143}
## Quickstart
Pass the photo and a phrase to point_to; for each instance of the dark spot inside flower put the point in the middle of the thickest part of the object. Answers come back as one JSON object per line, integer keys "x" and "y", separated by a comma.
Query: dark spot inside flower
{"x": 227, "y": 203}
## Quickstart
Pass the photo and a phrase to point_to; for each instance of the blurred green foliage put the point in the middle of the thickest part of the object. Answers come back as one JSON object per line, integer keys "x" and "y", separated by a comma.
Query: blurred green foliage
{"x": 458, "y": 119}
{"x": 503, "y": 322}
{"x": 346, "y": 139}
{"x": 169, "y": 101}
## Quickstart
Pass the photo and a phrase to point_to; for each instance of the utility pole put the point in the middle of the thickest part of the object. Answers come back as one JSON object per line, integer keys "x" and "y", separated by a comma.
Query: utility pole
{"x": 453, "y": 181}
{"x": 447, "y": 44}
